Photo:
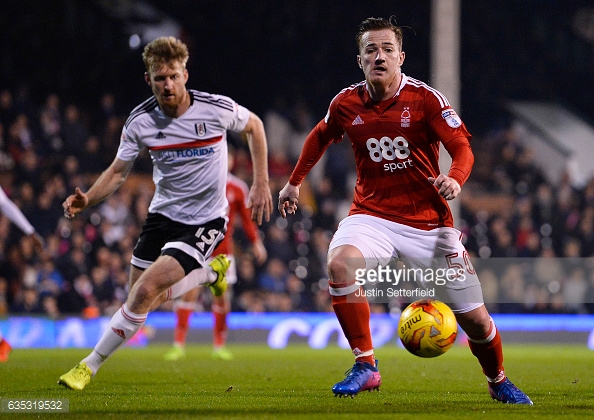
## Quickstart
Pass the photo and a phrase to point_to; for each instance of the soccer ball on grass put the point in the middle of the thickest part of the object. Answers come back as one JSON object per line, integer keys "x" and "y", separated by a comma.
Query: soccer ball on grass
{"x": 427, "y": 328}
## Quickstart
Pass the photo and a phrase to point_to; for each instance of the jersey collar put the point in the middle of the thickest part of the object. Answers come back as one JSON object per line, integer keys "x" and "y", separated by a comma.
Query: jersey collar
{"x": 403, "y": 80}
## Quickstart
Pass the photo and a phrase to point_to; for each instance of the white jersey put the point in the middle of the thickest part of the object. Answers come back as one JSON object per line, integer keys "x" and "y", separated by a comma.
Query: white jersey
{"x": 189, "y": 154}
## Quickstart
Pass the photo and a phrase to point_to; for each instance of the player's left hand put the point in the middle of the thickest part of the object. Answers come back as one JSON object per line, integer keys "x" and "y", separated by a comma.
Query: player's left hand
{"x": 260, "y": 201}
{"x": 288, "y": 198}
{"x": 446, "y": 186}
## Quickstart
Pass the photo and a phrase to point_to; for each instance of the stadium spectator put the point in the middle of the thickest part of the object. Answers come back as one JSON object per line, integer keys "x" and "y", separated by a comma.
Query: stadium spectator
{"x": 274, "y": 278}
{"x": 49, "y": 280}
{"x": 402, "y": 212}
{"x": 74, "y": 131}
{"x": 92, "y": 156}
{"x": 3, "y": 297}
{"x": 247, "y": 279}
{"x": 27, "y": 302}
{"x": 187, "y": 214}
{"x": 8, "y": 112}
{"x": 6, "y": 161}
{"x": 103, "y": 291}
{"x": 77, "y": 296}
{"x": 115, "y": 216}
{"x": 49, "y": 305}
{"x": 107, "y": 109}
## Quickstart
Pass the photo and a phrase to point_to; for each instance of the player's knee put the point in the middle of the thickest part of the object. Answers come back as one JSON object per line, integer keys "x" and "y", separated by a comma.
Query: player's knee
{"x": 476, "y": 323}
{"x": 144, "y": 291}
{"x": 343, "y": 265}
{"x": 336, "y": 267}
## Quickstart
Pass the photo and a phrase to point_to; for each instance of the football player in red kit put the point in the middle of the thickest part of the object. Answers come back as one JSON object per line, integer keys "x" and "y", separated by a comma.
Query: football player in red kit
{"x": 396, "y": 124}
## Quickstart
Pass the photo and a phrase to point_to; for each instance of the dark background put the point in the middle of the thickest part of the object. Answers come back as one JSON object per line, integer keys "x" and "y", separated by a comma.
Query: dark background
{"x": 266, "y": 54}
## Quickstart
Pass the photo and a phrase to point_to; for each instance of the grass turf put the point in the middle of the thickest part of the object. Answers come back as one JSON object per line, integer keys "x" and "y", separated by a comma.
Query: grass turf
{"x": 295, "y": 383}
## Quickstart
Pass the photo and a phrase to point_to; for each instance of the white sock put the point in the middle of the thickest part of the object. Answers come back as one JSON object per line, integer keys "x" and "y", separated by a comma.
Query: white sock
{"x": 194, "y": 279}
{"x": 122, "y": 327}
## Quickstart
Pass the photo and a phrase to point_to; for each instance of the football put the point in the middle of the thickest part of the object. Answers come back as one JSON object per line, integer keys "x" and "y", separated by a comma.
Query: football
{"x": 427, "y": 328}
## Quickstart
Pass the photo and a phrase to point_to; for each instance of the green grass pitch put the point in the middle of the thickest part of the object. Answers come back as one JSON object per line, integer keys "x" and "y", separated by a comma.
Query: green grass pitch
{"x": 295, "y": 382}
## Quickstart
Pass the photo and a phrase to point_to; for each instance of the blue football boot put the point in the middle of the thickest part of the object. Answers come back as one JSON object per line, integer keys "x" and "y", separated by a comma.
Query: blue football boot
{"x": 362, "y": 376}
{"x": 508, "y": 393}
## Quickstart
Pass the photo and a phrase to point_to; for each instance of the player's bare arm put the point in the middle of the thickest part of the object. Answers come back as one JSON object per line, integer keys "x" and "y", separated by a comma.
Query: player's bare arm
{"x": 288, "y": 198}
{"x": 260, "y": 197}
{"x": 107, "y": 183}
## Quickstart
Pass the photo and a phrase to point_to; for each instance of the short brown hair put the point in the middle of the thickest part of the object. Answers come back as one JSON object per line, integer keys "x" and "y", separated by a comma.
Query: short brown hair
{"x": 376, "y": 24}
{"x": 164, "y": 50}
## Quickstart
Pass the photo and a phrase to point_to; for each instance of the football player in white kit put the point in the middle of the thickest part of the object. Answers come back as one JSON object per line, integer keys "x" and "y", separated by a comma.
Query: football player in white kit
{"x": 16, "y": 216}
{"x": 185, "y": 134}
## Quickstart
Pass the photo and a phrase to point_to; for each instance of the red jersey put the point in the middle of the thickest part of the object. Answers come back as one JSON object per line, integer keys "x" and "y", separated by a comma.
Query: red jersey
{"x": 396, "y": 145}
{"x": 237, "y": 193}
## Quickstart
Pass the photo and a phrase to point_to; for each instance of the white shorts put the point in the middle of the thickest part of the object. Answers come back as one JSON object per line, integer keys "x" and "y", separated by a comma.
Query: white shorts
{"x": 427, "y": 254}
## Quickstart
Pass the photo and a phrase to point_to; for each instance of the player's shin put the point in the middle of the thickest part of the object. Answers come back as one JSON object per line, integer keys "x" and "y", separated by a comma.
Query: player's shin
{"x": 194, "y": 279}
{"x": 352, "y": 312}
{"x": 183, "y": 311}
{"x": 121, "y": 328}
{"x": 219, "y": 312}
{"x": 489, "y": 352}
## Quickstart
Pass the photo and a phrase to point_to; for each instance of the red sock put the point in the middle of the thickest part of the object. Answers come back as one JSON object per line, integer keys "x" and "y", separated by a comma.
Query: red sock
{"x": 353, "y": 315}
{"x": 181, "y": 327}
{"x": 220, "y": 326}
{"x": 489, "y": 352}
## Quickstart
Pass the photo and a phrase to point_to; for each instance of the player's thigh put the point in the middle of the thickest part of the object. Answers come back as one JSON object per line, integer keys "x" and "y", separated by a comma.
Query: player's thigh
{"x": 135, "y": 274}
{"x": 162, "y": 274}
{"x": 444, "y": 266}
{"x": 459, "y": 287}
{"x": 368, "y": 235}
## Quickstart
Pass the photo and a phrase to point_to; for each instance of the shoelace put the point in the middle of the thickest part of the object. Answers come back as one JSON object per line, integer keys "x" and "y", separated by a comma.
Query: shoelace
{"x": 513, "y": 390}
{"x": 80, "y": 374}
{"x": 355, "y": 370}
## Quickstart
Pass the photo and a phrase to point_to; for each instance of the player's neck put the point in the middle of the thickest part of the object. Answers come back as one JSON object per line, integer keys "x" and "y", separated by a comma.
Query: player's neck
{"x": 381, "y": 92}
{"x": 179, "y": 109}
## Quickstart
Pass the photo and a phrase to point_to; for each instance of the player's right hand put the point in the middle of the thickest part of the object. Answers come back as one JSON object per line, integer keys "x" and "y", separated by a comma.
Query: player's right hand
{"x": 75, "y": 203}
{"x": 287, "y": 200}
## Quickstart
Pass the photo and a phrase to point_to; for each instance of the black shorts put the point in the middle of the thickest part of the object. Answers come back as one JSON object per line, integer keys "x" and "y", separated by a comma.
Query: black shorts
{"x": 190, "y": 245}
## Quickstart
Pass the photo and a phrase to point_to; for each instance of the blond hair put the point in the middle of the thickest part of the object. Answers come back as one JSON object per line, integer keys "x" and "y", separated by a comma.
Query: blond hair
{"x": 164, "y": 50}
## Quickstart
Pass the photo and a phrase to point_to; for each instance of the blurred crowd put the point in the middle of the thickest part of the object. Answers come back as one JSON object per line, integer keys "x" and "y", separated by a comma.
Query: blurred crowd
{"x": 544, "y": 229}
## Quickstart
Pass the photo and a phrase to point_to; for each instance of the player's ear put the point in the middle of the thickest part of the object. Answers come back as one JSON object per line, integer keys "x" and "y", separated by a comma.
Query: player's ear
{"x": 401, "y": 59}
{"x": 359, "y": 61}
{"x": 147, "y": 78}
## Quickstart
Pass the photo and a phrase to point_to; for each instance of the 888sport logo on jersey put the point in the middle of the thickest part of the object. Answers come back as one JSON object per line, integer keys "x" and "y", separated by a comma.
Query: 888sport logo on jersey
{"x": 395, "y": 151}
